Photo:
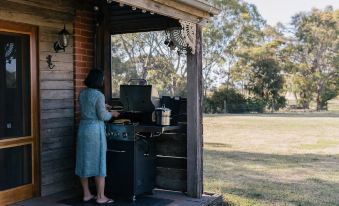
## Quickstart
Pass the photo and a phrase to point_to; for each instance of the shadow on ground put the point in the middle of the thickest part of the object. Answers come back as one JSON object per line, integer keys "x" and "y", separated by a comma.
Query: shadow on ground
{"x": 271, "y": 179}
{"x": 144, "y": 201}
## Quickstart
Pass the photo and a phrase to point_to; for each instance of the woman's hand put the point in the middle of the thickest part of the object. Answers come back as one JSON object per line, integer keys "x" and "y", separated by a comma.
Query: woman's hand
{"x": 108, "y": 107}
{"x": 115, "y": 113}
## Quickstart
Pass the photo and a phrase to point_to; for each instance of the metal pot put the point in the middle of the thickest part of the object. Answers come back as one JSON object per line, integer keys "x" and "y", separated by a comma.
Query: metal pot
{"x": 162, "y": 116}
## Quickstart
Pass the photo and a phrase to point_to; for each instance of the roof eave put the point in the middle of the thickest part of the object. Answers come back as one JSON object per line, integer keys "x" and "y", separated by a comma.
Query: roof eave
{"x": 202, "y": 5}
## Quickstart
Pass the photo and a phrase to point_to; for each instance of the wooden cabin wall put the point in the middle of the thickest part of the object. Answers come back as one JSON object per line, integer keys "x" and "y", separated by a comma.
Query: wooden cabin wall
{"x": 56, "y": 88}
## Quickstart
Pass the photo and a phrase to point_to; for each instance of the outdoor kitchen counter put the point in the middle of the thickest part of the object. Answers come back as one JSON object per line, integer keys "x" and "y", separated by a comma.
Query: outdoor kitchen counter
{"x": 157, "y": 129}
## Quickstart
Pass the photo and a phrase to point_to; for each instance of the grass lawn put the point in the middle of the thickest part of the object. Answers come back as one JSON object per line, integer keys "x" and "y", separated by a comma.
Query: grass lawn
{"x": 276, "y": 159}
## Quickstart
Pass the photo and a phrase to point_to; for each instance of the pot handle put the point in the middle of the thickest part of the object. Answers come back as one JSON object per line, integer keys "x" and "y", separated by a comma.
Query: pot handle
{"x": 153, "y": 116}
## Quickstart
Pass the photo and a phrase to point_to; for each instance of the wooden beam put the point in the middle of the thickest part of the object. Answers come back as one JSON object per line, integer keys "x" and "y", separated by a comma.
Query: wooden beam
{"x": 162, "y": 9}
{"x": 185, "y": 8}
{"x": 106, "y": 54}
{"x": 138, "y": 26}
{"x": 55, "y": 5}
{"x": 16, "y": 194}
{"x": 15, "y": 12}
{"x": 13, "y": 142}
{"x": 35, "y": 10}
{"x": 194, "y": 120}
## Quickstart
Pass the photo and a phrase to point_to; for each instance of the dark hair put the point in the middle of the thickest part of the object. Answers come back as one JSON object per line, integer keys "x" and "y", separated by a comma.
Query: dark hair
{"x": 94, "y": 79}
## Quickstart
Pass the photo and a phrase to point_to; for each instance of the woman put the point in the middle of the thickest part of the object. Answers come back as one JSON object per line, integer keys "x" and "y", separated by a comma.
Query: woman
{"x": 91, "y": 139}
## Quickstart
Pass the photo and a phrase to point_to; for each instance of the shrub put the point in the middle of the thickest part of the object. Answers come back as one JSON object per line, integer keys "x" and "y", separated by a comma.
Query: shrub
{"x": 235, "y": 102}
{"x": 256, "y": 105}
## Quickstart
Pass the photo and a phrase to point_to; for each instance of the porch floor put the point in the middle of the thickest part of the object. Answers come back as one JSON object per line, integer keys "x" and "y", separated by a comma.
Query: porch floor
{"x": 160, "y": 198}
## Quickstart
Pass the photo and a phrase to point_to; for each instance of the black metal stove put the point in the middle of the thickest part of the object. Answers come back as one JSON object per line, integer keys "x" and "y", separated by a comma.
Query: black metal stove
{"x": 130, "y": 156}
{"x": 130, "y": 162}
{"x": 131, "y": 159}
{"x": 130, "y": 147}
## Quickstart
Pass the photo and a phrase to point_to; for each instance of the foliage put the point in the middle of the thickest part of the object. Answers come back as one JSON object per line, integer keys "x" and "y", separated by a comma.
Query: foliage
{"x": 255, "y": 105}
{"x": 266, "y": 82}
{"x": 144, "y": 55}
{"x": 313, "y": 52}
{"x": 260, "y": 69}
{"x": 235, "y": 102}
{"x": 237, "y": 25}
{"x": 267, "y": 61}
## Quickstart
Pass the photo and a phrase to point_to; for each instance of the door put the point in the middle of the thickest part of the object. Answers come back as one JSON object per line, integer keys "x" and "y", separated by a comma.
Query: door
{"x": 18, "y": 113}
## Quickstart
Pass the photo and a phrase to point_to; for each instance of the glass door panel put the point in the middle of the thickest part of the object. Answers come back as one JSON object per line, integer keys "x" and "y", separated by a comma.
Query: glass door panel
{"x": 15, "y": 166}
{"x": 16, "y": 148}
{"x": 15, "y": 97}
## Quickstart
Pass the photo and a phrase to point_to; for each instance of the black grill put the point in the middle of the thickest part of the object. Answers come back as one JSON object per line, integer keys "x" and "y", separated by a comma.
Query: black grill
{"x": 130, "y": 147}
{"x": 130, "y": 162}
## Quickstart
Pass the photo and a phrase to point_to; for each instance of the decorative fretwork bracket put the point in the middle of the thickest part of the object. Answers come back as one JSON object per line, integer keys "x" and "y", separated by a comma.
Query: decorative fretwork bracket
{"x": 189, "y": 34}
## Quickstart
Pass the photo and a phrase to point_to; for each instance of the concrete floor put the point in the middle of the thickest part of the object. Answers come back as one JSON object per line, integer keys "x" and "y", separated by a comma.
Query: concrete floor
{"x": 160, "y": 198}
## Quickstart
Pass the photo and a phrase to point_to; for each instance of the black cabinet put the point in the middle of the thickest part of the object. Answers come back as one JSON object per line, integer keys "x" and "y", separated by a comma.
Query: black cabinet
{"x": 130, "y": 162}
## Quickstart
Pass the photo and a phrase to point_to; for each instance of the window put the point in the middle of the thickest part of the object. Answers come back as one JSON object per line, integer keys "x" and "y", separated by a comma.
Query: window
{"x": 15, "y": 118}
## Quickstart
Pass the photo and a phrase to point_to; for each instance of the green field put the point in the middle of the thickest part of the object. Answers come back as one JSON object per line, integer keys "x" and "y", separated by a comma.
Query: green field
{"x": 273, "y": 159}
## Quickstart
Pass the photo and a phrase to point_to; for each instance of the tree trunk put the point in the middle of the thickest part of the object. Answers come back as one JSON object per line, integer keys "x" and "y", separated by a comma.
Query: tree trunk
{"x": 304, "y": 100}
{"x": 319, "y": 93}
{"x": 295, "y": 97}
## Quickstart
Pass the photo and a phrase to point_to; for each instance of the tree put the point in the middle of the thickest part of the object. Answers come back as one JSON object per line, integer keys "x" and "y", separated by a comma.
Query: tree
{"x": 266, "y": 82}
{"x": 261, "y": 69}
{"x": 238, "y": 25}
{"x": 316, "y": 58}
{"x": 144, "y": 55}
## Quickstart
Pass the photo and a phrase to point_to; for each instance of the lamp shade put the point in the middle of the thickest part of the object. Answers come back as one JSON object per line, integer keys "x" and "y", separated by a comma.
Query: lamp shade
{"x": 63, "y": 37}
{"x": 63, "y": 40}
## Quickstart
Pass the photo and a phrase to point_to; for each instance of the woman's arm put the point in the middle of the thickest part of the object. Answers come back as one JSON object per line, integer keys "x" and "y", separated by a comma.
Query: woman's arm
{"x": 101, "y": 111}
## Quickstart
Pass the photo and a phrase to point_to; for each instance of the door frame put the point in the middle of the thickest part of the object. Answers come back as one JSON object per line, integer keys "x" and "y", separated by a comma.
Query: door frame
{"x": 29, "y": 190}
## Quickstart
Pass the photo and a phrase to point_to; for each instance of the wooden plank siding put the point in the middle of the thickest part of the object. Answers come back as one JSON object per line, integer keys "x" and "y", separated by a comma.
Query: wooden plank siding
{"x": 56, "y": 88}
{"x": 57, "y": 115}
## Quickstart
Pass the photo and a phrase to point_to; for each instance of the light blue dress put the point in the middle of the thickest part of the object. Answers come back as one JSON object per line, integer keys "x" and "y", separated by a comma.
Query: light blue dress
{"x": 91, "y": 139}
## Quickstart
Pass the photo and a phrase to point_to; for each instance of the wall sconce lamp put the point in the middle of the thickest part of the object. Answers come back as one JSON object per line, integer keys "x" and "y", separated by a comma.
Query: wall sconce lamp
{"x": 63, "y": 40}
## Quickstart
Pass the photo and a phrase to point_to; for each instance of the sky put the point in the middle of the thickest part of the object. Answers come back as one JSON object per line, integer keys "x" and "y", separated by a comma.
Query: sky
{"x": 275, "y": 11}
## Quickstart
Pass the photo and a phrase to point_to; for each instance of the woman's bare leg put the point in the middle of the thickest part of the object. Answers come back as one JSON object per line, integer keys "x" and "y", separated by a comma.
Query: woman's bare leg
{"x": 100, "y": 183}
{"x": 87, "y": 193}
